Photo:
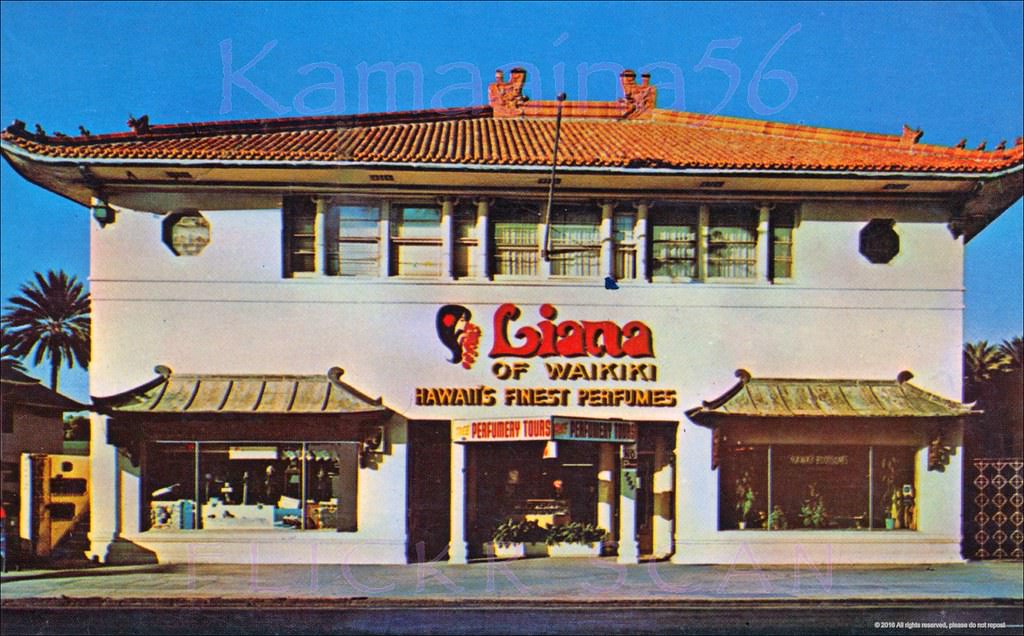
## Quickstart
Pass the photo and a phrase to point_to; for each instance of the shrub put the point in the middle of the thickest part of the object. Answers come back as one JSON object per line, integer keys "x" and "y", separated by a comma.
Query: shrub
{"x": 509, "y": 532}
{"x": 575, "y": 532}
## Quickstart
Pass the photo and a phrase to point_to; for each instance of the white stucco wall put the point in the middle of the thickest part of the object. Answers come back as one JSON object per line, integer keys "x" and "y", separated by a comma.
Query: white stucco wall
{"x": 229, "y": 310}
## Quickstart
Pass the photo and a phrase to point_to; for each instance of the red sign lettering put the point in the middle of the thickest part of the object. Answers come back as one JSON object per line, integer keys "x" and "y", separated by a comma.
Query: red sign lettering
{"x": 569, "y": 339}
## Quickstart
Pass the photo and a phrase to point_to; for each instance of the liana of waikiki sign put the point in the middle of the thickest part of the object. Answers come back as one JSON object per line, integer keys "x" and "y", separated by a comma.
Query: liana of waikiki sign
{"x": 560, "y": 345}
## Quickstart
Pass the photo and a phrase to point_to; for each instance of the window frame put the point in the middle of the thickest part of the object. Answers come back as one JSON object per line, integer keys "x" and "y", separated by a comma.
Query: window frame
{"x": 657, "y": 219}
{"x": 335, "y": 228}
{"x": 785, "y": 218}
{"x": 201, "y": 497}
{"x": 397, "y": 241}
{"x": 467, "y": 247}
{"x": 686, "y": 241}
{"x": 625, "y": 247}
{"x": 511, "y": 212}
{"x": 766, "y": 484}
{"x": 716, "y": 214}
{"x": 568, "y": 252}
{"x": 294, "y": 210}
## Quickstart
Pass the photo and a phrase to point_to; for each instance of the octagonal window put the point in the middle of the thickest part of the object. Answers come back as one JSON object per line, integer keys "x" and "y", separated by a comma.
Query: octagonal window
{"x": 879, "y": 242}
{"x": 186, "y": 233}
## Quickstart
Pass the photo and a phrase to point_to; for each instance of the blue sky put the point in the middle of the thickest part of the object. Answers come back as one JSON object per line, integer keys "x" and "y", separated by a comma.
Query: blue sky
{"x": 953, "y": 69}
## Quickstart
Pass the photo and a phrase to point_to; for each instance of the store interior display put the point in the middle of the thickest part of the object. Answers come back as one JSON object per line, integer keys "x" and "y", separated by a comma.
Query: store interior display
{"x": 243, "y": 486}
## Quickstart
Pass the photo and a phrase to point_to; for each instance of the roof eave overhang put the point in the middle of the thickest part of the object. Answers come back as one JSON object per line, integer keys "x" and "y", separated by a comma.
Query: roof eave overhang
{"x": 717, "y": 420}
{"x": 981, "y": 196}
{"x": 15, "y": 150}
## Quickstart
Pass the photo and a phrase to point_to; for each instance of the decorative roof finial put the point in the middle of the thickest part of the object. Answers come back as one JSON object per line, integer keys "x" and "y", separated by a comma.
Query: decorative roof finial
{"x": 962, "y": 143}
{"x": 84, "y": 131}
{"x": 981, "y": 146}
{"x": 40, "y": 131}
{"x": 1002, "y": 145}
{"x": 140, "y": 126}
{"x": 910, "y": 135}
{"x": 506, "y": 98}
{"x": 639, "y": 99}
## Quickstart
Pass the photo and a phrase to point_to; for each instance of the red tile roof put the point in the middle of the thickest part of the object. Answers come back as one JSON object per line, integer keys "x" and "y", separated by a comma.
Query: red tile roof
{"x": 625, "y": 134}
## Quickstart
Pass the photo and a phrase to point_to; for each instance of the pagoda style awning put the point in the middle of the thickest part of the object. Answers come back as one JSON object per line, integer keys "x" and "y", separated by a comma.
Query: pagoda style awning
{"x": 761, "y": 400}
{"x": 817, "y": 398}
{"x": 172, "y": 393}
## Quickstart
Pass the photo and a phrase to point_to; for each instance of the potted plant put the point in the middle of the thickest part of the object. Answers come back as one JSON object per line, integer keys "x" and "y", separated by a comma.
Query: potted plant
{"x": 812, "y": 512}
{"x": 776, "y": 520}
{"x": 744, "y": 499}
{"x": 892, "y": 512}
{"x": 517, "y": 539}
{"x": 890, "y": 496}
{"x": 575, "y": 539}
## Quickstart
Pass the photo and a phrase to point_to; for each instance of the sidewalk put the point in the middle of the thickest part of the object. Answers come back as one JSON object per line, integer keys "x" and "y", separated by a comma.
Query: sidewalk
{"x": 531, "y": 580}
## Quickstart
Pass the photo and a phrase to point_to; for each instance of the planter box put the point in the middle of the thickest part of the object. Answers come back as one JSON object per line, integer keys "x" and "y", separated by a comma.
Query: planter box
{"x": 515, "y": 550}
{"x": 575, "y": 550}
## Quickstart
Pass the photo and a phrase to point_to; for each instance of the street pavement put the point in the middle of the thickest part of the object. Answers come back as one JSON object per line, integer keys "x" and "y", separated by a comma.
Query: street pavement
{"x": 533, "y": 580}
{"x": 533, "y": 596}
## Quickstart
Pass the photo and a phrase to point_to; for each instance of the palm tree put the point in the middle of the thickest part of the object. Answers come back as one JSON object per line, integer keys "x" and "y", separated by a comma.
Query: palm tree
{"x": 981, "y": 362}
{"x": 8, "y": 361}
{"x": 1013, "y": 351}
{"x": 50, "y": 318}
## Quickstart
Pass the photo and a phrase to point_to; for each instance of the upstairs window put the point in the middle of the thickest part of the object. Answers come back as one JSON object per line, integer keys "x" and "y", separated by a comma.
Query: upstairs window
{"x": 683, "y": 241}
{"x": 781, "y": 258}
{"x": 732, "y": 243}
{"x": 624, "y": 240}
{"x": 299, "y": 236}
{"x": 416, "y": 241}
{"x": 674, "y": 242}
{"x": 516, "y": 248}
{"x": 465, "y": 241}
{"x": 575, "y": 241}
{"x": 358, "y": 240}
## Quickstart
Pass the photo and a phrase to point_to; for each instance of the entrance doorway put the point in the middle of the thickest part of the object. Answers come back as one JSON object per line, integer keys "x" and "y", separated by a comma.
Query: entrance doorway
{"x": 516, "y": 481}
{"x": 429, "y": 484}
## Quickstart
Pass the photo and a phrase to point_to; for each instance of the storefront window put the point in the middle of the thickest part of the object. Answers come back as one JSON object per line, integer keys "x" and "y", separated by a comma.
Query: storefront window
{"x": 200, "y": 485}
{"x": 515, "y": 481}
{"x": 816, "y": 487}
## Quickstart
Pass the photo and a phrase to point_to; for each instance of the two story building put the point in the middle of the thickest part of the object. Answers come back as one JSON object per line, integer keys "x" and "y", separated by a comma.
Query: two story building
{"x": 375, "y": 338}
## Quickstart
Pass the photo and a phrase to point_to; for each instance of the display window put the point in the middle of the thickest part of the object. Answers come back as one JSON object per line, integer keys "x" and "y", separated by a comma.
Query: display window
{"x": 817, "y": 487}
{"x": 516, "y": 481}
{"x": 251, "y": 485}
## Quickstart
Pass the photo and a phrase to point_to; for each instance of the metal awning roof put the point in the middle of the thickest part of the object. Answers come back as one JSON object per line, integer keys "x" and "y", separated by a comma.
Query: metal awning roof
{"x": 817, "y": 398}
{"x": 242, "y": 394}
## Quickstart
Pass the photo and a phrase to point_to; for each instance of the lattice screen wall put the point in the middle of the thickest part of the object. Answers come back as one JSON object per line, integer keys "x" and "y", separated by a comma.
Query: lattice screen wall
{"x": 997, "y": 523}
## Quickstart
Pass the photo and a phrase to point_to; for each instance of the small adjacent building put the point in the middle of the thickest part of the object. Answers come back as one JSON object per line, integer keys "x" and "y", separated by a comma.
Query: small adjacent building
{"x": 32, "y": 424}
{"x": 377, "y": 338}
